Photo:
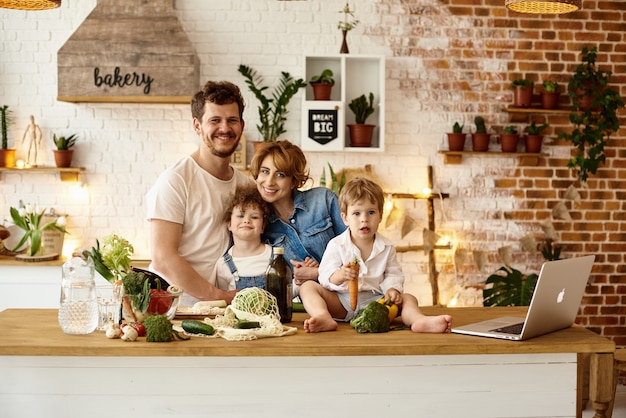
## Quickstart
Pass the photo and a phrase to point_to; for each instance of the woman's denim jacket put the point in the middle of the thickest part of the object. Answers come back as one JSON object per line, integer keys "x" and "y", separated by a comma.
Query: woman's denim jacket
{"x": 316, "y": 219}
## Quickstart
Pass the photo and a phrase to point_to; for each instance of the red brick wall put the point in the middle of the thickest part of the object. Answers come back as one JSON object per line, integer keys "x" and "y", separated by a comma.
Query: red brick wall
{"x": 463, "y": 45}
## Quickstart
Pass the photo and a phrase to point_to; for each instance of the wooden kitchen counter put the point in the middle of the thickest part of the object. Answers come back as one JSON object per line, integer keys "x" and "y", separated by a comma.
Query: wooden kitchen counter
{"x": 443, "y": 375}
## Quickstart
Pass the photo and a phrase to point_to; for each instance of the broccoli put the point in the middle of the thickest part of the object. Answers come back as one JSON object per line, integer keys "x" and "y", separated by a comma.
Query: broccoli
{"x": 159, "y": 330}
{"x": 374, "y": 318}
{"x": 137, "y": 286}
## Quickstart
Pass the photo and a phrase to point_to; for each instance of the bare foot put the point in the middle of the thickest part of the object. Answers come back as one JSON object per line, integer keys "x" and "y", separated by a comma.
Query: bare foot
{"x": 320, "y": 324}
{"x": 432, "y": 324}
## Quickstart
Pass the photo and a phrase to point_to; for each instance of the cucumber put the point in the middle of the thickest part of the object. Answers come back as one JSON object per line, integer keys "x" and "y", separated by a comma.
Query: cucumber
{"x": 247, "y": 325}
{"x": 197, "y": 327}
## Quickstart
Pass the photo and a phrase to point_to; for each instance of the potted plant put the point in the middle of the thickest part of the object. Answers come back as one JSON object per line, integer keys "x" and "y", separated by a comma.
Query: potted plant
{"x": 64, "y": 152}
{"x": 522, "y": 92}
{"x": 534, "y": 139}
{"x": 509, "y": 139}
{"x": 273, "y": 110}
{"x": 480, "y": 138}
{"x": 594, "y": 115}
{"x": 346, "y": 25}
{"x": 456, "y": 138}
{"x": 360, "y": 132}
{"x": 322, "y": 85}
{"x": 7, "y": 156}
{"x": 550, "y": 94}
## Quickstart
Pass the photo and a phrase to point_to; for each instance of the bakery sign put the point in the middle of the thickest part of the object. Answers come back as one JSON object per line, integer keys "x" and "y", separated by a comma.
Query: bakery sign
{"x": 135, "y": 51}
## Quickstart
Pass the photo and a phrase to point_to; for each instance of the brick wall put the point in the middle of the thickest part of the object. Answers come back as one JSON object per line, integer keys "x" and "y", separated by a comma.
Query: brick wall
{"x": 446, "y": 61}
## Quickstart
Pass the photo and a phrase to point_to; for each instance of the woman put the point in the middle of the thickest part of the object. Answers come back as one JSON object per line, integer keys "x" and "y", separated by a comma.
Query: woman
{"x": 302, "y": 221}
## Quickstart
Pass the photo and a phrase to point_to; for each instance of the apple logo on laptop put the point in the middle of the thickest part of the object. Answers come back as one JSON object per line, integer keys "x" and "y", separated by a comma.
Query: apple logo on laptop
{"x": 560, "y": 296}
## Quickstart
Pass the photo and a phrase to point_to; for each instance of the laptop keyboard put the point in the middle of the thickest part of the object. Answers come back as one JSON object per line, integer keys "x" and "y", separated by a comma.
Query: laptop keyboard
{"x": 510, "y": 329}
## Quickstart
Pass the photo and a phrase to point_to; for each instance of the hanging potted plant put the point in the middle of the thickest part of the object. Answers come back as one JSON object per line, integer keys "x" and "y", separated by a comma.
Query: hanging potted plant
{"x": 509, "y": 139}
{"x": 360, "y": 132}
{"x": 534, "y": 139}
{"x": 456, "y": 138}
{"x": 594, "y": 115}
{"x": 7, "y": 156}
{"x": 550, "y": 95}
{"x": 322, "y": 85}
{"x": 64, "y": 152}
{"x": 522, "y": 92}
{"x": 480, "y": 138}
{"x": 273, "y": 110}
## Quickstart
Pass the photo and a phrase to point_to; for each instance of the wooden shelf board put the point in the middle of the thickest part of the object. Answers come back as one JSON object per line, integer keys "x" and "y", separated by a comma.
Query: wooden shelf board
{"x": 66, "y": 173}
{"x": 127, "y": 99}
{"x": 526, "y": 158}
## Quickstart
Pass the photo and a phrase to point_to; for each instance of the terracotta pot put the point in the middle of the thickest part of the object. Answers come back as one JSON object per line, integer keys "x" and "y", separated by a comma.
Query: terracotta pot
{"x": 533, "y": 143}
{"x": 509, "y": 142}
{"x": 522, "y": 96}
{"x": 361, "y": 134}
{"x": 63, "y": 158}
{"x": 321, "y": 91}
{"x": 7, "y": 158}
{"x": 456, "y": 142}
{"x": 480, "y": 142}
{"x": 550, "y": 100}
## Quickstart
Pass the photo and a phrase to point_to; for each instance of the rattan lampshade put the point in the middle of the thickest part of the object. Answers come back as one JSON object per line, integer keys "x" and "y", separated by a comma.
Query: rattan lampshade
{"x": 30, "y": 4}
{"x": 543, "y": 6}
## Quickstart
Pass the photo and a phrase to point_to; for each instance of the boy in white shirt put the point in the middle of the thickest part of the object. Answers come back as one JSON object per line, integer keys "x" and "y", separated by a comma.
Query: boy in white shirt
{"x": 361, "y": 203}
{"x": 245, "y": 262}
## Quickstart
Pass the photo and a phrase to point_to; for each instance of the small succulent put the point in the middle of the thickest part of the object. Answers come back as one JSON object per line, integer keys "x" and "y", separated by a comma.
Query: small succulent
{"x": 64, "y": 143}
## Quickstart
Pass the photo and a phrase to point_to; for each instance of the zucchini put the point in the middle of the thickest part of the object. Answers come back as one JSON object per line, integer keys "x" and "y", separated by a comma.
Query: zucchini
{"x": 196, "y": 327}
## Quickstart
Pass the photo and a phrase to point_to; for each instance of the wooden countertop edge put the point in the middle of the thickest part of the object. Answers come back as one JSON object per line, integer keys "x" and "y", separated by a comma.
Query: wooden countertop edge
{"x": 35, "y": 332}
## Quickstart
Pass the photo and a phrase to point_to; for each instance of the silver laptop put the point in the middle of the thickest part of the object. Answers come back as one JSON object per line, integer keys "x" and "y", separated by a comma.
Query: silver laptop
{"x": 554, "y": 304}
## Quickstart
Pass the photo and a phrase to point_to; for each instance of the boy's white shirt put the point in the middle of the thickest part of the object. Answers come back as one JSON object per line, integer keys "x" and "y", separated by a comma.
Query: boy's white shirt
{"x": 246, "y": 266}
{"x": 379, "y": 273}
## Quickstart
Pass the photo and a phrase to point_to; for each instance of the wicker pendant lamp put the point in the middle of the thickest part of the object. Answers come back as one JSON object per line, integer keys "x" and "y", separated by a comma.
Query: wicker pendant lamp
{"x": 544, "y": 6}
{"x": 30, "y": 4}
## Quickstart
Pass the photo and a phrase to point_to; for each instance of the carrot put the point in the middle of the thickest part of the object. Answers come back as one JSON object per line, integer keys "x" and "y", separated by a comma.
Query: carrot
{"x": 353, "y": 285}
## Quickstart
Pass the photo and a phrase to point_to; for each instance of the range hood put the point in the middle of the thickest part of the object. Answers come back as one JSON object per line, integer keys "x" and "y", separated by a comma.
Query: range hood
{"x": 131, "y": 51}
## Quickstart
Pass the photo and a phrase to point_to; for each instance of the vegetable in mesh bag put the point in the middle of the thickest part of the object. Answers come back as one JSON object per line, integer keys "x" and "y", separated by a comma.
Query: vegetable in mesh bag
{"x": 255, "y": 301}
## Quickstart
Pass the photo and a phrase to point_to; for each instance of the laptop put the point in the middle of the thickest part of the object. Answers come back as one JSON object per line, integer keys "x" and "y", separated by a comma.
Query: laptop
{"x": 554, "y": 304}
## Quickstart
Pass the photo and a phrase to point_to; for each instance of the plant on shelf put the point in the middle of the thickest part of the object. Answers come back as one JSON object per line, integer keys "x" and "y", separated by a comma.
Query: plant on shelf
{"x": 522, "y": 92}
{"x": 360, "y": 132}
{"x": 29, "y": 219}
{"x": 7, "y": 156}
{"x": 594, "y": 115}
{"x": 534, "y": 139}
{"x": 322, "y": 84}
{"x": 64, "y": 152}
{"x": 348, "y": 23}
{"x": 456, "y": 139}
{"x": 273, "y": 110}
{"x": 550, "y": 94}
{"x": 509, "y": 139}
{"x": 480, "y": 138}
{"x": 336, "y": 183}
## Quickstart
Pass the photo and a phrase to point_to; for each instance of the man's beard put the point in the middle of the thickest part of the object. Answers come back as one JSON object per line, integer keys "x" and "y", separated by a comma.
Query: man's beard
{"x": 221, "y": 153}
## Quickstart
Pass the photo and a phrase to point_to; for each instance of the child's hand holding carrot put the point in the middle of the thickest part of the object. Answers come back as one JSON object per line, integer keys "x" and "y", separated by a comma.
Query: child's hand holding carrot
{"x": 353, "y": 285}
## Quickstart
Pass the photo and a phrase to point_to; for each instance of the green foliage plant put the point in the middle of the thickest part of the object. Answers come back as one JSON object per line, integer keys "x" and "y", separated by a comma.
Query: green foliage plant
{"x": 593, "y": 124}
{"x": 550, "y": 86}
{"x": 64, "y": 143}
{"x": 349, "y": 22}
{"x": 5, "y": 122}
{"x": 336, "y": 183}
{"x": 510, "y": 129}
{"x": 534, "y": 129}
{"x": 479, "y": 121}
{"x": 509, "y": 287}
{"x": 457, "y": 128}
{"x": 522, "y": 82}
{"x": 273, "y": 110}
{"x": 361, "y": 108}
{"x": 325, "y": 77}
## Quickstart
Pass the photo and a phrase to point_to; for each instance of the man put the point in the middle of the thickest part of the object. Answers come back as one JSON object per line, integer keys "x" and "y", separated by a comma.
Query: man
{"x": 187, "y": 203}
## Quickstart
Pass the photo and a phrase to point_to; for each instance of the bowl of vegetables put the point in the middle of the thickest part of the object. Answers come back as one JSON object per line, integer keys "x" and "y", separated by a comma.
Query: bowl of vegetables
{"x": 146, "y": 294}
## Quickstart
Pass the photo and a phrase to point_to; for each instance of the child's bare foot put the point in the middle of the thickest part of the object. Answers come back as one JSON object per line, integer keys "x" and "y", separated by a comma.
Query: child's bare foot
{"x": 320, "y": 324}
{"x": 432, "y": 324}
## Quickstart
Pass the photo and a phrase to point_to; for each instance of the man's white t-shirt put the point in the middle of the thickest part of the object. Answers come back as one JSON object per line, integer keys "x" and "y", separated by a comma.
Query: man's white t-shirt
{"x": 188, "y": 195}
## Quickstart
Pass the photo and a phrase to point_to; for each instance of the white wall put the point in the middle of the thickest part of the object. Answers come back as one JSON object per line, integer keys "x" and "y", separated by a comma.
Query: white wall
{"x": 125, "y": 146}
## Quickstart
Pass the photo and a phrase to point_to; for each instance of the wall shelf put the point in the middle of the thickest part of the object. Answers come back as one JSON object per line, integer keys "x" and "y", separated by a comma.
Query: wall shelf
{"x": 520, "y": 114}
{"x": 66, "y": 173}
{"x": 526, "y": 158}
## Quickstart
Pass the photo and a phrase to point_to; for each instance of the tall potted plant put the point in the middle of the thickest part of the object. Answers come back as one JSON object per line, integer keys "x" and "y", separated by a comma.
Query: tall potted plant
{"x": 7, "y": 156}
{"x": 594, "y": 115}
{"x": 360, "y": 132}
{"x": 273, "y": 110}
{"x": 509, "y": 139}
{"x": 550, "y": 95}
{"x": 322, "y": 85}
{"x": 64, "y": 152}
{"x": 534, "y": 139}
{"x": 480, "y": 138}
{"x": 522, "y": 92}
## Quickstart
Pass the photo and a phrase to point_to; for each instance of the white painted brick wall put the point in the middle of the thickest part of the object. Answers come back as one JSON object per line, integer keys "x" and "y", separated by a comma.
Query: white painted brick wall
{"x": 125, "y": 146}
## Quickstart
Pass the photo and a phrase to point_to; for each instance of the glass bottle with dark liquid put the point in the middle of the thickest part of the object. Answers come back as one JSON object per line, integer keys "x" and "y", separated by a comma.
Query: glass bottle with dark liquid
{"x": 278, "y": 282}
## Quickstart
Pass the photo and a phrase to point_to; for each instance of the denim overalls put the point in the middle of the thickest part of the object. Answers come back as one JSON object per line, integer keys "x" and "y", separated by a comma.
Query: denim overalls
{"x": 242, "y": 282}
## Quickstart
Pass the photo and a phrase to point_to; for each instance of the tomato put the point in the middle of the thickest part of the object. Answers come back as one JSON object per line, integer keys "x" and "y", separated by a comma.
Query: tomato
{"x": 160, "y": 301}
